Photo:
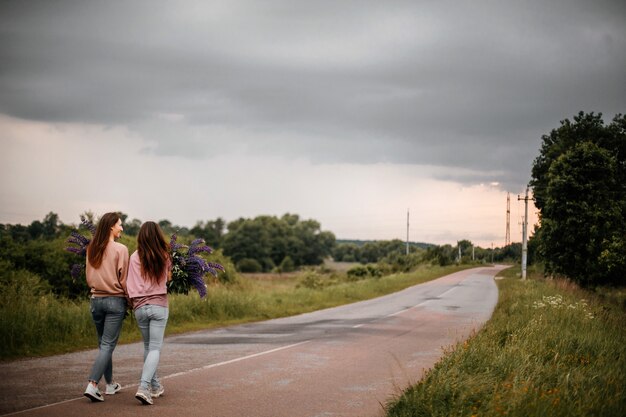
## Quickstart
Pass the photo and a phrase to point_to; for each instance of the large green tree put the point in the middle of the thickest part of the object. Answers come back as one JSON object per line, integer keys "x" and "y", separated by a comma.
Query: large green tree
{"x": 269, "y": 240}
{"x": 579, "y": 183}
{"x": 211, "y": 231}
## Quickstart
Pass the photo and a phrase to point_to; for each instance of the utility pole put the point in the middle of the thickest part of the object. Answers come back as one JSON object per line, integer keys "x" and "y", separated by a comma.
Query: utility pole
{"x": 507, "y": 238}
{"x": 407, "y": 231}
{"x": 524, "y": 234}
{"x": 473, "y": 247}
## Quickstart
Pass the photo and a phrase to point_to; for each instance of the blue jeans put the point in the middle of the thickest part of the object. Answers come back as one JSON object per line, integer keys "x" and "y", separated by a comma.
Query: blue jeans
{"x": 108, "y": 315}
{"x": 151, "y": 320}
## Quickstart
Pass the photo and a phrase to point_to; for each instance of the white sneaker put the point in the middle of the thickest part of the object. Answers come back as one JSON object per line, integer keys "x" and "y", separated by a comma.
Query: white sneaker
{"x": 144, "y": 396}
{"x": 93, "y": 393}
{"x": 157, "y": 391}
{"x": 112, "y": 388}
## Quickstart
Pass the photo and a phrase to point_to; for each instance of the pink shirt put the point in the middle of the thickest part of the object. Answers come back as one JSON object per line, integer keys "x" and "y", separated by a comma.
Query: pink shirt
{"x": 145, "y": 291}
{"x": 109, "y": 280}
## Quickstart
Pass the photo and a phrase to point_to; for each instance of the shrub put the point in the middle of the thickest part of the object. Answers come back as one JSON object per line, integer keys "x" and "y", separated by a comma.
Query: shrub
{"x": 249, "y": 265}
{"x": 315, "y": 281}
{"x": 287, "y": 265}
{"x": 357, "y": 272}
{"x": 374, "y": 271}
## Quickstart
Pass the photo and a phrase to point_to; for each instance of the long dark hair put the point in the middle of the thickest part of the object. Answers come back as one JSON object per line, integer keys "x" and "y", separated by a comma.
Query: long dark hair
{"x": 95, "y": 250}
{"x": 153, "y": 250}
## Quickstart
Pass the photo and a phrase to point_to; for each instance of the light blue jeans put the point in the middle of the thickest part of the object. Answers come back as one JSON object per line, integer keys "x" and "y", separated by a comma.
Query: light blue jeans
{"x": 151, "y": 320}
{"x": 108, "y": 316}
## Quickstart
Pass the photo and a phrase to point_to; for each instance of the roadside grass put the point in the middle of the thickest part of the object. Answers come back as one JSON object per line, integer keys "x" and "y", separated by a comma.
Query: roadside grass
{"x": 34, "y": 322}
{"x": 550, "y": 349}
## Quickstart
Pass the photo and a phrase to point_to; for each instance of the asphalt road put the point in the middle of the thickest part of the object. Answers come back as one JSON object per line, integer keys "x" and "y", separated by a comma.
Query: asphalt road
{"x": 343, "y": 361}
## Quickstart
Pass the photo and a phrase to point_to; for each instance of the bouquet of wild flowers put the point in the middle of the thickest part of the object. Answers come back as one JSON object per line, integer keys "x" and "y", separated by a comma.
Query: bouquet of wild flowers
{"x": 81, "y": 243}
{"x": 188, "y": 269}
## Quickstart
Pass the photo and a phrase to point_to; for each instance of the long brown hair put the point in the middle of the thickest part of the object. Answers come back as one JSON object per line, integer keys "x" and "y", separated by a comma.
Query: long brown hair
{"x": 153, "y": 250}
{"x": 95, "y": 250}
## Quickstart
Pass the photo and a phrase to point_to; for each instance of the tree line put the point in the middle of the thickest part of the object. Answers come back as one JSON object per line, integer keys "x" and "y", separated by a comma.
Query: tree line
{"x": 393, "y": 252}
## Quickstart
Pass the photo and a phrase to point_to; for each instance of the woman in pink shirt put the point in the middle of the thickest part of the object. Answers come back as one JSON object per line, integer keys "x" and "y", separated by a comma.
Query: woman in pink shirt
{"x": 107, "y": 266}
{"x": 148, "y": 272}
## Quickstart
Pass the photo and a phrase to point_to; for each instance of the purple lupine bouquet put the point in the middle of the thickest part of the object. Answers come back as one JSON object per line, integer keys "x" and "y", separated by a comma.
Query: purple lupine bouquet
{"x": 81, "y": 243}
{"x": 188, "y": 268}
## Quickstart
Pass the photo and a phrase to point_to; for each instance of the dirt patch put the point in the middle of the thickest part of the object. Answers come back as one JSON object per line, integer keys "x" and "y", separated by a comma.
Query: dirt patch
{"x": 270, "y": 276}
{"x": 339, "y": 266}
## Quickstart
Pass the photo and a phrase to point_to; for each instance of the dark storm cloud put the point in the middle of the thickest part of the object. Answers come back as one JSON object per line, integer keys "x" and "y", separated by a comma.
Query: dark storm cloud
{"x": 462, "y": 84}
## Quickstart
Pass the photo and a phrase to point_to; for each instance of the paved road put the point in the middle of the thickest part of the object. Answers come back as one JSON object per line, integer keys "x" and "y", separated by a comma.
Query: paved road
{"x": 344, "y": 361}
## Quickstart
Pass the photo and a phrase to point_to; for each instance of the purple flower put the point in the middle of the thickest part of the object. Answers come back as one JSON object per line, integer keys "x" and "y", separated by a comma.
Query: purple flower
{"x": 88, "y": 224}
{"x": 216, "y": 266}
{"x": 80, "y": 249}
{"x": 80, "y": 241}
{"x": 212, "y": 267}
{"x": 173, "y": 245}
{"x": 188, "y": 268}
{"x": 77, "y": 251}
{"x": 77, "y": 270}
{"x": 199, "y": 285}
{"x": 197, "y": 246}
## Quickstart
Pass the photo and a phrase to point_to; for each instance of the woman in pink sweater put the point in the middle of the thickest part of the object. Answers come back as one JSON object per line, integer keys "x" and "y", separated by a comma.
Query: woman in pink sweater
{"x": 148, "y": 273}
{"x": 107, "y": 266}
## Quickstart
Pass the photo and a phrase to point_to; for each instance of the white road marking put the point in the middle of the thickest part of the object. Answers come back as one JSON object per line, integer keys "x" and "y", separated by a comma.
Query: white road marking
{"x": 254, "y": 355}
{"x": 213, "y": 365}
{"x": 44, "y": 406}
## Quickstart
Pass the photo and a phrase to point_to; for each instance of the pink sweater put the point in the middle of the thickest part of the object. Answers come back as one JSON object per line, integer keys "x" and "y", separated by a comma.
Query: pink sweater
{"x": 109, "y": 280}
{"x": 145, "y": 291}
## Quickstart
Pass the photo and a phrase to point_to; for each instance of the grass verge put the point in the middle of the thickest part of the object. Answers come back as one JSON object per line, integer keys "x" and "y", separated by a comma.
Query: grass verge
{"x": 550, "y": 349}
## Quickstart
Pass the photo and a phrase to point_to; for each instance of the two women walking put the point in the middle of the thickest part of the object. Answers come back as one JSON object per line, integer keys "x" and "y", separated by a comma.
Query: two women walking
{"x": 117, "y": 281}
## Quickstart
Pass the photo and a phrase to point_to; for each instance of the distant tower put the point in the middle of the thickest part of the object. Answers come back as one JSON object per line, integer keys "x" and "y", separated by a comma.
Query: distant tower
{"x": 507, "y": 238}
{"x": 407, "y": 231}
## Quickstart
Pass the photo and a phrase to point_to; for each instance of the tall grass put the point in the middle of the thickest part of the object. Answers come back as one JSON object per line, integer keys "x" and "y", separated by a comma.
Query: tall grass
{"x": 31, "y": 317}
{"x": 33, "y": 322}
{"x": 549, "y": 350}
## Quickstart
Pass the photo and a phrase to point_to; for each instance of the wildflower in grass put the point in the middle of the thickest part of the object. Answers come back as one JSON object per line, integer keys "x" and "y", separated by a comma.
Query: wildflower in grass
{"x": 557, "y": 302}
{"x": 554, "y": 301}
{"x": 188, "y": 268}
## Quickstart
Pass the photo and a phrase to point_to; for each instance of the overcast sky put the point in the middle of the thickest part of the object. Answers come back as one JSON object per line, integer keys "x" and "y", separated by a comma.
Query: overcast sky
{"x": 347, "y": 112}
